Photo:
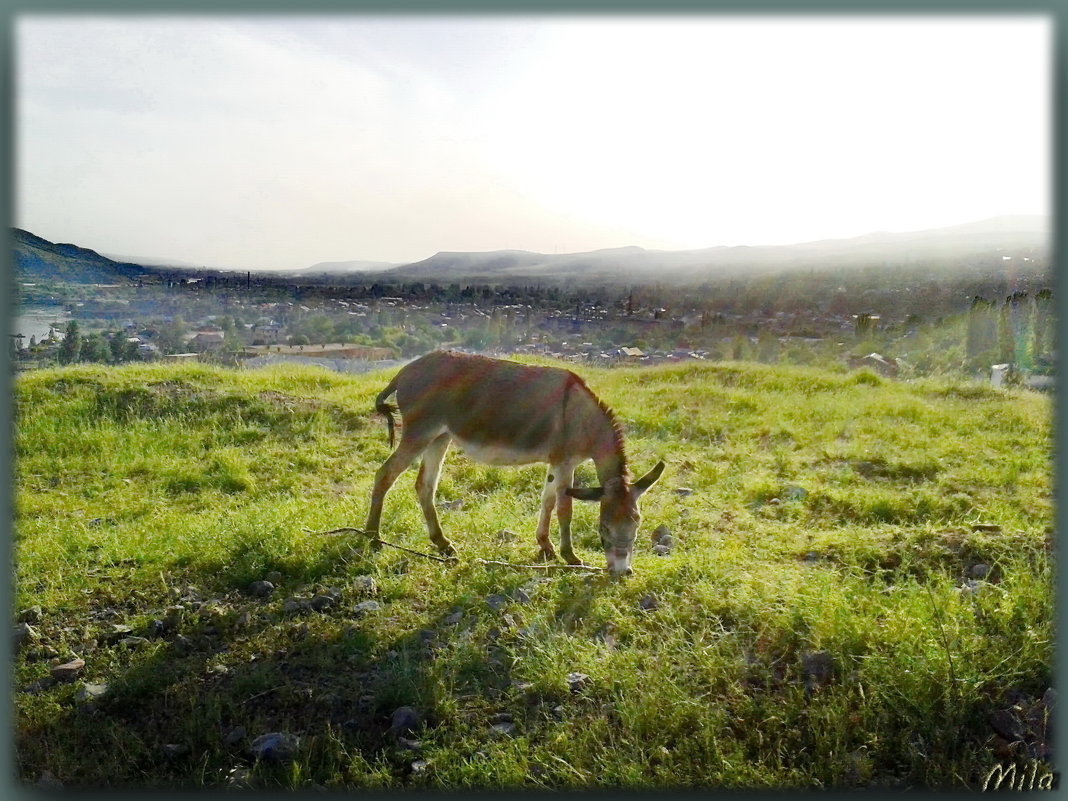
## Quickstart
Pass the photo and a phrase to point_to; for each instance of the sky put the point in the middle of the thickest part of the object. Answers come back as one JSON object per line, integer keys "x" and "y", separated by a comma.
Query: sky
{"x": 267, "y": 142}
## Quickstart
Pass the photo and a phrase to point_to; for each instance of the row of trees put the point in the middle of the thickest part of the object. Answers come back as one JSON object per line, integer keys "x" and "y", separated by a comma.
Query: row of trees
{"x": 107, "y": 347}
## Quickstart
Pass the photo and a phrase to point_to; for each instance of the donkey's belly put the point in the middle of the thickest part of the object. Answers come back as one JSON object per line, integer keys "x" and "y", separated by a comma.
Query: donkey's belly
{"x": 489, "y": 453}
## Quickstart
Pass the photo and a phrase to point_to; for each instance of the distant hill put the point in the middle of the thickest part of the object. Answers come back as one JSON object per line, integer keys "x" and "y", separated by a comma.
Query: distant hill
{"x": 356, "y": 266}
{"x": 38, "y": 259}
{"x": 957, "y": 247}
{"x": 946, "y": 247}
{"x": 154, "y": 261}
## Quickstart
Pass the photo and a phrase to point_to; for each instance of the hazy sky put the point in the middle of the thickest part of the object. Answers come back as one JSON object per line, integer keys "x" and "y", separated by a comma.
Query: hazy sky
{"x": 265, "y": 142}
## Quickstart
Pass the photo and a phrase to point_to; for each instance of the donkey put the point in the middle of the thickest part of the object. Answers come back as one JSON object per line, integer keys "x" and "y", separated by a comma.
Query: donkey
{"x": 505, "y": 413}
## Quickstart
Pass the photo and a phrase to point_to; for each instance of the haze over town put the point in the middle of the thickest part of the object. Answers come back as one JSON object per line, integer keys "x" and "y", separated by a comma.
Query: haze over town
{"x": 283, "y": 142}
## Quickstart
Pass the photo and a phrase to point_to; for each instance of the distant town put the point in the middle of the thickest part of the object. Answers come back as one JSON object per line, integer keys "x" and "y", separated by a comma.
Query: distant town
{"x": 895, "y": 323}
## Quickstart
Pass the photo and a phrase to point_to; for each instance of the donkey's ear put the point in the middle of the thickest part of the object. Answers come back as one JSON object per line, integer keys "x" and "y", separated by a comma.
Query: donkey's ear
{"x": 650, "y": 478}
{"x": 585, "y": 493}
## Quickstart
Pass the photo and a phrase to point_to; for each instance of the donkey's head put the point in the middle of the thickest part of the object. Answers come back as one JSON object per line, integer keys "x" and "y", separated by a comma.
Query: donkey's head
{"x": 619, "y": 515}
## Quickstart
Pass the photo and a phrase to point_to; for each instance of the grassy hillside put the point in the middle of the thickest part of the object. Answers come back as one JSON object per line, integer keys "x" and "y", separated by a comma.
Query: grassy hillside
{"x": 38, "y": 259}
{"x": 859, "y": 591}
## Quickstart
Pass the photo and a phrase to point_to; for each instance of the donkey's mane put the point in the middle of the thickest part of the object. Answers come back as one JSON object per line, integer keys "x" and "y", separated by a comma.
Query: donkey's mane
{"x": 617, "y": 429}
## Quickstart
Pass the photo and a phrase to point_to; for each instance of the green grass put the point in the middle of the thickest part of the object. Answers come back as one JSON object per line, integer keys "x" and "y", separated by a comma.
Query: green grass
{"x": 831, "y": 513}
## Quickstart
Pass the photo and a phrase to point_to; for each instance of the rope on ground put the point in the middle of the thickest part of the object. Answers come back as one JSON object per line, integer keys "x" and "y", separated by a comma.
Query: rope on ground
{"x": 448, "y": 559}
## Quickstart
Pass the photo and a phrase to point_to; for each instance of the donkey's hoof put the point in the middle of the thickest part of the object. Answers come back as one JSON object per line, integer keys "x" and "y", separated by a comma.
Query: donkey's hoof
{"x": 545, "y": 555}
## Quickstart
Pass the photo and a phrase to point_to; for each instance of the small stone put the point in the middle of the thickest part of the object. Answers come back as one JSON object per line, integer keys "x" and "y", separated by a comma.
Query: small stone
{"x": 659, "y": 533}
{"x": 774, "y": 501}
{"x": 419, "y": 767}
{"x": 157, "y": 628}
{"x": 661, "y": 550}
{"x": 992, "y": 528}
{"x": 42, "y": 684}
{"x": 408, "y": 744}
{"x": 682, "y": 492}
{"x": 275, "y": 577}
{"x": 811, "y": 558}
{"x": 243, "y": 620}
{"x": 576, "y": 682}
{"x": 235, "y": 736}
{"x": 133, "y": 642}
{"x": 496, "y": 602}
{"x": 980, "y": 571}
{"x": 795, "y": 493}
{"x": 91, "y": 692}
{"x": 504, "y": 535}
{"x": 31, "y": 615}
{"x": 520, "y": 596}
{"x": 1006, "y": 725}
{"x": 1049, "y": 699}
{"x": 183, "y": 644}
{"x": 261, "y": 589}
{"x": 504, "y": 729}
{"x": 48, "y": 781}
{"x": 452, "y": 618}
{"x": 648, "y": 603}
{"x": 405, "y": 720}
{"x": 68, "y": 671}
{"x": 175, "y": 750}
{"x": 364, "y": 585}
{"x": 322, "y": 602}
{"x": 116, "y": 633}
{"x": 452, "y": 505}
{"x": 501, "y": 717}
{"x": 274, "y": 747}
{"x": 291, "y": 606}
{"x": 22, "y": 634}
{"x": 559, "y": 712}
{"x": 366, "y": 607}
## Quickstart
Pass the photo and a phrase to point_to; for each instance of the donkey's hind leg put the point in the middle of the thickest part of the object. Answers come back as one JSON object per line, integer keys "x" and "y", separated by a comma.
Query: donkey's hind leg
{"x": 426, "y": 485}
{"x": 400, "y": 460}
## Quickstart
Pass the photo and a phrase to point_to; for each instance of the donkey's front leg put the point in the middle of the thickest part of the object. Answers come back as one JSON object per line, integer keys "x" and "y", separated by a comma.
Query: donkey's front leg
{"x": 565, "y": 478}
{"x": 546, "y": 551}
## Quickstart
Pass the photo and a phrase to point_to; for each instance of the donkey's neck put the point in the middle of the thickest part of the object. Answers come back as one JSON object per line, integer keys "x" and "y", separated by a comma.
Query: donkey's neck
{"x": 596, "y": 426}
{"x": 611, "y": 466}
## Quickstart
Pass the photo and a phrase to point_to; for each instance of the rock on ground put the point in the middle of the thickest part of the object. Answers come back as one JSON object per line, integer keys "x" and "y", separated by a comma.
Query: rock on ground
{"x": 69, "y": 670}
{"x": 274, "y": 747}
{"x": 405, "y": 720}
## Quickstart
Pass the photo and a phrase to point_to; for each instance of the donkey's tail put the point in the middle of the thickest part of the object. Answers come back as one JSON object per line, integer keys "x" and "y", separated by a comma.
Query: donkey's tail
{"x": 387, "y": 409}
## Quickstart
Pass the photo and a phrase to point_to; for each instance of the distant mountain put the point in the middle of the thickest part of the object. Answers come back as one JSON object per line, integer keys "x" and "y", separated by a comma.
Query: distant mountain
{"x": 955, "y": 247}
{"x": 348, "y": 267}
{"x": 941, "y": 247}
{"x": 154, "y": 261}
{"x": 38, "y": 259}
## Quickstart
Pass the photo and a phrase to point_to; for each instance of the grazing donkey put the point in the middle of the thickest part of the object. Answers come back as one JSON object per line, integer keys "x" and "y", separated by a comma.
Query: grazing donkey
{"x": 506, "y": 413}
